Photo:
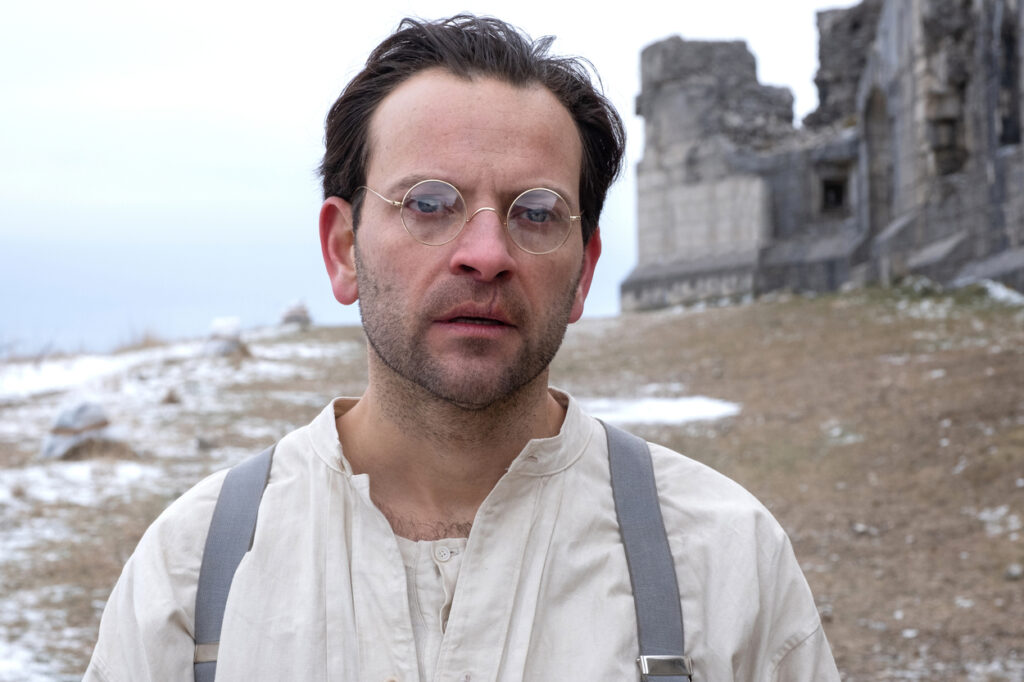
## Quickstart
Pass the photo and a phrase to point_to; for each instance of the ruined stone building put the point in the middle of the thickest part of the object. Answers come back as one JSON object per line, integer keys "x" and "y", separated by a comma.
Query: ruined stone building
{"x": 912, "y": 163}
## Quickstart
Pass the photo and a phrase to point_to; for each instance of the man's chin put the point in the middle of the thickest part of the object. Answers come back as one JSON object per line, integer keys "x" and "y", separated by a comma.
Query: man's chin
{"x": 472, "y": 377}
{"x": 470, "y": 394}
{"x": 473, "y": 386}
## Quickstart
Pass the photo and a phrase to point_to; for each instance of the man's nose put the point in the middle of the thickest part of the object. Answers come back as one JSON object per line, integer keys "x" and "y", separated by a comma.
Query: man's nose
{"x": 483, "y": 248}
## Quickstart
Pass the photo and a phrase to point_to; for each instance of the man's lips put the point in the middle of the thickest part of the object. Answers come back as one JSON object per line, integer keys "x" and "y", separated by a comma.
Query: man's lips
{"x": 475, "y": 320}
{"x": 475, "y": 326}
{"x": 476, "y": 316}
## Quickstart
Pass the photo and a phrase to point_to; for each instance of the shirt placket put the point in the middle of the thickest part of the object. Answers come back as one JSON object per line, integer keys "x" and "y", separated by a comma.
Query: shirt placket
{"x": 478, "y": 624}
{"x": 447, "y": 556}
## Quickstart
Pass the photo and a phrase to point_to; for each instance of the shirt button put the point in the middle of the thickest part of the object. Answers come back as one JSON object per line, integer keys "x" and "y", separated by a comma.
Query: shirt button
{"x": 442, "y": 553}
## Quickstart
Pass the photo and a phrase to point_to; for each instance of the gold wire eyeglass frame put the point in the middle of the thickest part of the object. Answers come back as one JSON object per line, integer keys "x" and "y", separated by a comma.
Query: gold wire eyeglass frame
{"x": 400, "y": 205}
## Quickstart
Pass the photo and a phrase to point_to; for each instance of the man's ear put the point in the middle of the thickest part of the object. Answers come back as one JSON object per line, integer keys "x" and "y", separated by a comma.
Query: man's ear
{"x": 338, "y": 243}
{"x": 591, "y": 252}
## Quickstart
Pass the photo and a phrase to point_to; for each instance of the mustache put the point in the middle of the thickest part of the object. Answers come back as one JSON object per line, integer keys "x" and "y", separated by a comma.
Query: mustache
{"x": 496, "y": 297}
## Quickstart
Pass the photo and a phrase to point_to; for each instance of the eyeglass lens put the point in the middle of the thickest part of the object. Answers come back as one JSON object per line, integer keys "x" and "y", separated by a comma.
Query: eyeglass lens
{"x": 434, "y": 212}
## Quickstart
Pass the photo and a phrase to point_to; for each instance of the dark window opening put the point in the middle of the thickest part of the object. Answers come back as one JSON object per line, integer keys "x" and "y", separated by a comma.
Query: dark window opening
{"x": 833, "y": 195}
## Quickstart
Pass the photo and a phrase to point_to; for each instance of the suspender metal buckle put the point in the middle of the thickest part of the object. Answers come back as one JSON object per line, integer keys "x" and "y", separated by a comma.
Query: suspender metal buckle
{"x": 665, "y": 666}
{"x": 206, "y": 653}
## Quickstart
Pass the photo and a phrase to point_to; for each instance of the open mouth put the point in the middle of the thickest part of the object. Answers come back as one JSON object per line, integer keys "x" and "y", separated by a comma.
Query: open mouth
{"x": 485, "y": 321}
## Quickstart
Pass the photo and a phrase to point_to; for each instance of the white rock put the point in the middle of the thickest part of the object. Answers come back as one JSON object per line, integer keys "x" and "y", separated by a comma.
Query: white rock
{"x": 76, "y": 428}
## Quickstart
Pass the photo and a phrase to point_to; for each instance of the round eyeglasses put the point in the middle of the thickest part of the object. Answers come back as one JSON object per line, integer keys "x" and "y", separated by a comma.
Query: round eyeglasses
{"x": 434, "y": 213}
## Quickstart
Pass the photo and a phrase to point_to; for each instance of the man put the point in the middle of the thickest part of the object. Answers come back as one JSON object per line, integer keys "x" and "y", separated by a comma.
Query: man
{"x": 456, "y": 522}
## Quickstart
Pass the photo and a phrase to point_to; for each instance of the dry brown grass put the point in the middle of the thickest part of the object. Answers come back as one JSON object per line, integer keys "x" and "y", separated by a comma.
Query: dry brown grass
{"x": 141, "y": 341}
{"x": 872, "y": 425}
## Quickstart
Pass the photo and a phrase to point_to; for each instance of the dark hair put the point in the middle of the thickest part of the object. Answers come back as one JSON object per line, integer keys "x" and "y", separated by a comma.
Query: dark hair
{"x": 468, "y": 46}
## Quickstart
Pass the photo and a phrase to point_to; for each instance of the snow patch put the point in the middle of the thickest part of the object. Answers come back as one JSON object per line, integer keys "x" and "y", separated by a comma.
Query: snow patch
{"x": 998, "y": 291}
{"x": 658, "y": 410}
{"x": 306, "y": 351}
{"x": 85, "y": 483}
{"x": 22, "y": 379}
{"x": 926, "y": 309}
{"x": 998, "y": 520}
{"x": 837, "y": 434}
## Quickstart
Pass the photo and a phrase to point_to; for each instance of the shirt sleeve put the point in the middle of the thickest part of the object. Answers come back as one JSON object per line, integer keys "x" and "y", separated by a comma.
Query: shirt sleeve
{"x": 810, "y": 660}
{"x": 751, "y": 612}
{"x": 146, "y": 632}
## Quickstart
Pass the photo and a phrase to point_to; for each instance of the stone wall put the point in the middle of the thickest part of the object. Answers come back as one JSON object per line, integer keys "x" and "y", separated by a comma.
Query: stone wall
{"x": 703, "y": 210}
{"x": 1015, "y": 202}
{"x": 696, "y": 221}
{"x": 951, "y": 199}
{"x": 695, "y": 89}
{"x": 670, "y": 284}
{"x": 913, "y": 162}
{"x": 846, "y": 37}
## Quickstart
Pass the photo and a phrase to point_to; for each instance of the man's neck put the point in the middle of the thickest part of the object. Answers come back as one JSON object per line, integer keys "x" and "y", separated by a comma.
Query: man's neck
{"x": 432, "y": 463}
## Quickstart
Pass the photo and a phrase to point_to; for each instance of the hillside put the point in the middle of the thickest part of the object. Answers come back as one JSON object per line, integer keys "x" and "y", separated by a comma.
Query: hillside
{"x": 884, "y": 429}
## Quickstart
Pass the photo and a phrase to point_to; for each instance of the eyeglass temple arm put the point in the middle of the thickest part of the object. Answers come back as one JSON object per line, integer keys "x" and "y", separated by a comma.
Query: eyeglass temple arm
{"x": 396, "y": 204}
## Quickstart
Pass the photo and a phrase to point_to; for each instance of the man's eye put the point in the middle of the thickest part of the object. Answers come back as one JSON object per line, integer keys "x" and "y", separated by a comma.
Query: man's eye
{"x": 537, "y": 215}
{"x": 534, "y": 216}
{"x": 425, "y": 205}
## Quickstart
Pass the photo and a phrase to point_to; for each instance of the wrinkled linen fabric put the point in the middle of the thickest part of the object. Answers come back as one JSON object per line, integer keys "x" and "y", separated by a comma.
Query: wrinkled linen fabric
{"x": 542, "y": 591}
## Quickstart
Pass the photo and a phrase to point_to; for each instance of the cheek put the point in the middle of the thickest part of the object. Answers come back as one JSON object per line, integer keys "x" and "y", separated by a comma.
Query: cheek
{"x": 403, "y": 274}
{"x": 557, "y": 285}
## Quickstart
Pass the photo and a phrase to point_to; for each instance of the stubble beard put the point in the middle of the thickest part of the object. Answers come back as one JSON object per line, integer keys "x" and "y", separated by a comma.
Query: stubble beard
{"x": 400, "y": 344}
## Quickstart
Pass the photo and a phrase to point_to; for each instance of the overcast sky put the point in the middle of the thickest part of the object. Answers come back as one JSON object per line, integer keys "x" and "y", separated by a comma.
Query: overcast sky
{"x": 201, "y": 121}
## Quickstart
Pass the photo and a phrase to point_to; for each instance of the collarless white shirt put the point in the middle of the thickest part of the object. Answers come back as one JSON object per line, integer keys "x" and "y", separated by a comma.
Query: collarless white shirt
{"x": 542, "y": 589}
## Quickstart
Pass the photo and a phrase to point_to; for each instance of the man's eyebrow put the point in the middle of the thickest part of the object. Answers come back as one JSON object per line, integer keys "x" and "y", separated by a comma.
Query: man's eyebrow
{"x": 402, "y": 185}
{"x": 561, "y": 191}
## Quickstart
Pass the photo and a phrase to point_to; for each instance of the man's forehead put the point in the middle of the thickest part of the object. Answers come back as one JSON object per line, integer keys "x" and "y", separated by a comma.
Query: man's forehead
{"x": 436, "y": 113}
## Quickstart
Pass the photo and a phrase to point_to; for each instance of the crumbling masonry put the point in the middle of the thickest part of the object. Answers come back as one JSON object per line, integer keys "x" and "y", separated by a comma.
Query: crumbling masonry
{"x": 912, "y": 163}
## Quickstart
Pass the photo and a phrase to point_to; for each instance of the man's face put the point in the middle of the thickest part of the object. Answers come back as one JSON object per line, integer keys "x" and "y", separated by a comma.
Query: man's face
{"x": 473, "y": 320}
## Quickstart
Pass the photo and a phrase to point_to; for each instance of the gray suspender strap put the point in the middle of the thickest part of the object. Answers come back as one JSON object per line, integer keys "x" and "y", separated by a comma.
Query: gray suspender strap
{"x": 231, "y": 533}
{"x": 652, "y": 571}
{"x": 651, "y": 568}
